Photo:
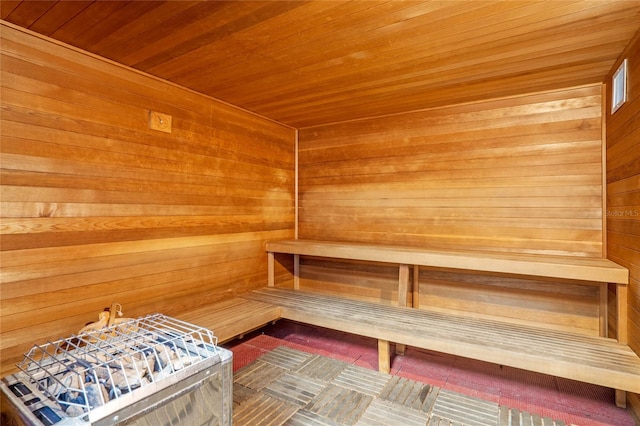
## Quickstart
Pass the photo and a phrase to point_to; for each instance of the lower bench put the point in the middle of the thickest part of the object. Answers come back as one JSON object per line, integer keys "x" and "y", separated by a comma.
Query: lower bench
{"x": 232, "y": 317}
{"x": 597, "y": 360}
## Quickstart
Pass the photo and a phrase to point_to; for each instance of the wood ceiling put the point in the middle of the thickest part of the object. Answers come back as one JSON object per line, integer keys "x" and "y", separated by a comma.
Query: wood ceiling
{"x": 308, "y": 63}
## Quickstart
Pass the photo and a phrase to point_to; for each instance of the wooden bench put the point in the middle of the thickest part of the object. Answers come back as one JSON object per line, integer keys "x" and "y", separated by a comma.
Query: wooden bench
{"x": 591, "y": 359}
{"x": 233, "y": 317}
{"x": 601, "y": 271}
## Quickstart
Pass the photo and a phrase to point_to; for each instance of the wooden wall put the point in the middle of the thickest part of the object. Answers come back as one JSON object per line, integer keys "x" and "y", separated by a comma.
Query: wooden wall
{"x": 623, "y": 191}
{"x": 521, "y": 174}
{"x": 96, "y": 207}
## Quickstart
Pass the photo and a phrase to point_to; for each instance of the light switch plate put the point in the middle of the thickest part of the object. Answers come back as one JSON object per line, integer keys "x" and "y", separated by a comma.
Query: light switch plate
{"x": 159, "y": 121}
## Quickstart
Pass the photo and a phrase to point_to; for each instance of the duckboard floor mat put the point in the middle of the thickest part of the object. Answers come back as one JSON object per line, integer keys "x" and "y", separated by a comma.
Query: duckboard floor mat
{"x": 291, "y": 387}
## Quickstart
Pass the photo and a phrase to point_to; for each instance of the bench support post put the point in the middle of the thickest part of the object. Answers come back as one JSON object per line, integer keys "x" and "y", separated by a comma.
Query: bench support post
{"x": 621, "y": 298}
{"x": 296, "y": 271}
{"x": 603, "y": 309}
{"x": 271, "y": 269}
{"x": 403, "y": 297}
{"x": 384, "y": 356}
{"x": 621, "y": 301}
{"x": 415, "y": 302}
{"x": 403, "y": 285}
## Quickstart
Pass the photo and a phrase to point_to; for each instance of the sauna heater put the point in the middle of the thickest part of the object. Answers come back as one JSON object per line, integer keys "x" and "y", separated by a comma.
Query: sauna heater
{"x": 153, "y": 371}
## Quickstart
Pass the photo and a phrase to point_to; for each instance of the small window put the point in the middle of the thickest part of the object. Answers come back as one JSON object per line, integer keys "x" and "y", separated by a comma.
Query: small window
{"x": 619, "y": 90}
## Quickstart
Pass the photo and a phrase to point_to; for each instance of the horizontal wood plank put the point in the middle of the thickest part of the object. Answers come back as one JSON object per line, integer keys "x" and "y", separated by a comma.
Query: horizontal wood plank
{"x": 563, "y": 267}
{"x": 99, "y": 208}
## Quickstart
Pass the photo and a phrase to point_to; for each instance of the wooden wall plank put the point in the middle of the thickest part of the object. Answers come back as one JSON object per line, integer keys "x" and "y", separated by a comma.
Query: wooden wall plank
{"x": 623, "y": 193}
{"x": 99, "y": 208}
{"x": 354, "y": 175}
{"x": 520, "y": 174}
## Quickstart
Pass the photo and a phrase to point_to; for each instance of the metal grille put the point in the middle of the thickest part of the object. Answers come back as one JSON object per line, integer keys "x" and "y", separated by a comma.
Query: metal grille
{"x": 98, "y": 372}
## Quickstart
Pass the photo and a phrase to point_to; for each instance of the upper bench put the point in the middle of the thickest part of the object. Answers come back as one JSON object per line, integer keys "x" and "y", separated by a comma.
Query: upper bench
{"x": 563, "y": 267}
{"x": 580, "y": 269}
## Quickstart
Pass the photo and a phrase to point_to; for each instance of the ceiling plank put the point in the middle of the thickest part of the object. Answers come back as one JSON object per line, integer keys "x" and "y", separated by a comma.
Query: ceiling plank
{"x": 306, "y": 63}
{"x": 25, "y": 13}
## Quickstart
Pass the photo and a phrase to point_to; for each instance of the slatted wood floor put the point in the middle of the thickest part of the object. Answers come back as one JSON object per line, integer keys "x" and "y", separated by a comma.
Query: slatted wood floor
{"x": 589, "y": 359}
{"x": 295, "y": 388}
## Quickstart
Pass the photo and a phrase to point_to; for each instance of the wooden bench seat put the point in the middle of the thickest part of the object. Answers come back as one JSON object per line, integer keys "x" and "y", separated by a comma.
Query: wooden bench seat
{"x": 233, "y": 317}
{"x": 578, "y": 269}
{"x": 563, "y": 267}
{"x": 590, "y": 359}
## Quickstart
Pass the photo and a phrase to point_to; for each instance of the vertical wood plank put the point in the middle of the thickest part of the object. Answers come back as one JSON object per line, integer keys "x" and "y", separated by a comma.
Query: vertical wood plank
{"x": 384, "y": 356}
{"x": 621, "y": 301}
{"x": 296, "y": 190}
{"x": 403, "y": 285}
{"x": 271, "y": 269}
{"x": 621, "y": 398}
{"x": 603, "y": 309}
{"x": 404, "y": 288}
{"x": 296, "y": 271}
{"x": 603, "y": 167}
{"x": 416, "y": 286}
